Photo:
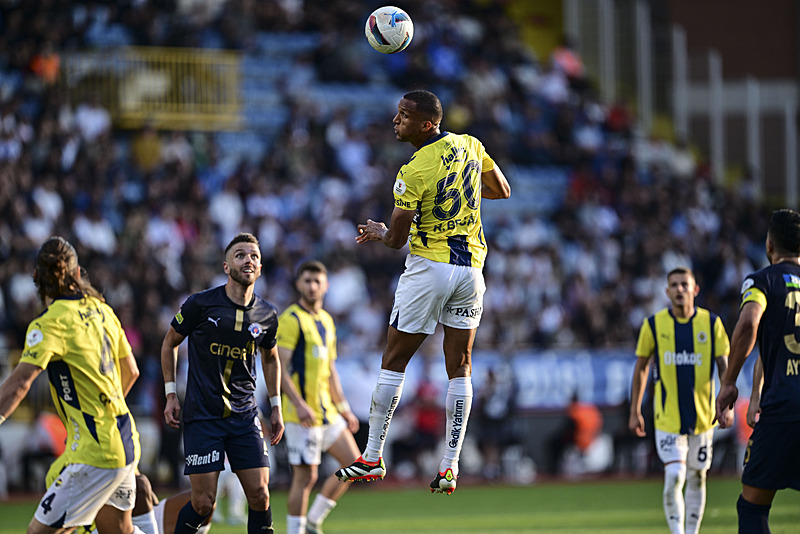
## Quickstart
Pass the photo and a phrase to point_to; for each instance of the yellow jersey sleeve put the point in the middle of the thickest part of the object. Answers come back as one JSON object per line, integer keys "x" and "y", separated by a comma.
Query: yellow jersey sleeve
{"x": 721, "y": 342}
{"x": 646, "y": 345}
{"x": 288, "y": 330}
{"x": 42, "y": 342}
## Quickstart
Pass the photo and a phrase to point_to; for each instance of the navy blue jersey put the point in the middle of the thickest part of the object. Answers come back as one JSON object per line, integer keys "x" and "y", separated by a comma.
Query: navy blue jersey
{"x": 777, "y": 289}
{"x": 223, "y": 343}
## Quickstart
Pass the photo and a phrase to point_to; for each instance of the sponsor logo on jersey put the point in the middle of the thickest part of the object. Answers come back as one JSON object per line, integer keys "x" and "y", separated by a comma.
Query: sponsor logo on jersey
{"x": 215, "y": 321}
{"x": 455, "y": 154}
{"x": 682, "y": 358}
{"x": 196, "y": 459}
{"x": 747, "y": 284}
{"x": 237, "y": 353}
{"x": 403, "y": 204}
{"x": 458, "y": 422}
{"x": 791, "y": 281}
{"x": 399, "y": 187}
{"x": 255, "y": 329}
{"x": 32, "y": 354}
{"x": 34, "y": 337}
{"x": 179, "y": 318}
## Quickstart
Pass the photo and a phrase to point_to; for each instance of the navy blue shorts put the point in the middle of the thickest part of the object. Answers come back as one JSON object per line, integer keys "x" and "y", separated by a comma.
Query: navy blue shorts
{"x": 771, "y": 457}
{"x": 206, "y": 443}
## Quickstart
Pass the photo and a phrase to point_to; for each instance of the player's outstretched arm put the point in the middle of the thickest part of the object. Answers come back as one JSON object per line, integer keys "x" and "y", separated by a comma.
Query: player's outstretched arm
{"x": 169, "y": 364}
{"x": 742, "y": 342}
{"x": 15, "y": 387}
{"x": 495, "y": 185}
{"x": 271, "y": 367}
{"x": 638, "y": 383}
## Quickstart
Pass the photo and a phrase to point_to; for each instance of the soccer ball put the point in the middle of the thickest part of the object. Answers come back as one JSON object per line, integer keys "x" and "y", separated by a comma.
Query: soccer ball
{"x": 389, "y": 29}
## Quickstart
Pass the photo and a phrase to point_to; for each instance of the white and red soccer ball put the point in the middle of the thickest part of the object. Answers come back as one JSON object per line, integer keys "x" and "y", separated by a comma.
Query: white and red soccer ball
{"x": 389, "y": 29}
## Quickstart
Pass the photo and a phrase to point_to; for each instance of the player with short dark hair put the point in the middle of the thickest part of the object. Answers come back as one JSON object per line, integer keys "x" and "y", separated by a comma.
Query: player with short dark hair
{"x": 317, "y": 415}
{"x": 770, "y": 316}
{"x": 437, "y": 200}
{"x": 89, "y": 362}
{"x": 686, "y": 342}
{"x": 226, "y": 326}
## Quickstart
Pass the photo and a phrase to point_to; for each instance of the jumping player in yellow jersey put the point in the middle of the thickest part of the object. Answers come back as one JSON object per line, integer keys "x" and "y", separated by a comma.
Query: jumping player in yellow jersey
{"x": 317, "y": 416}
{"x": 686, "y": 343}
{"x": 80, "y": 342}
{"x": 437, "y": 200}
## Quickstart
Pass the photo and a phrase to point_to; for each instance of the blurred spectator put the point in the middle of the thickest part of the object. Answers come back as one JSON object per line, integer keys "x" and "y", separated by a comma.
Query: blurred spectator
{"x": 495, "y": 415}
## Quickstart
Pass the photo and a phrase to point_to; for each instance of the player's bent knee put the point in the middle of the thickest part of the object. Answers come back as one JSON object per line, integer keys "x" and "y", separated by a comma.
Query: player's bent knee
{"x": 674, "y": 475}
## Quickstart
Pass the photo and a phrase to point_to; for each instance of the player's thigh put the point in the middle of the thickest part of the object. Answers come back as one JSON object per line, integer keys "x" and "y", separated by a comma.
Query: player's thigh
{"x": 245, "y": 444}
{"x": 303, "y": 444}
{"x": 464, "y": 308}
{"x": 204, "y": 446}
{"x": 340, "y": 443}
{"x": 671, "y": 447}
{"x": 111, "y": 520}
{"x": 80, "y": 491}
{"x": 771, "y": 456}
{"x": 422, "y": 291}
{"x": 254, "y": 482}
{"x": 701, "y": 448}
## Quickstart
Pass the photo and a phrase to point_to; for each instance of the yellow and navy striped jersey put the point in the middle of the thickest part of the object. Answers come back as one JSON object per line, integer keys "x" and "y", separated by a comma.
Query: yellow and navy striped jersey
{"x": 79, "y": 341}
{"x": 777, "y": 289}
{"x": 685, "y": 351}
{"x": 442, "y": 182}
{"x": 312, "y": 340}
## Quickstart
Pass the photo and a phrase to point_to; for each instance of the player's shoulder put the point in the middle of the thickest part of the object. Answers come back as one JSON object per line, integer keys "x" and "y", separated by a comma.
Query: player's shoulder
{"x": 211, "y": 296}
{"x": 264, "y": 307}
{"x": 291, "y": 311}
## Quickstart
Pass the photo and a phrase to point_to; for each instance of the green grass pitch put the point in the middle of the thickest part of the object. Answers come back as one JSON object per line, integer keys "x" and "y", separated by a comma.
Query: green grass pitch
{"x": 589, "y": 507}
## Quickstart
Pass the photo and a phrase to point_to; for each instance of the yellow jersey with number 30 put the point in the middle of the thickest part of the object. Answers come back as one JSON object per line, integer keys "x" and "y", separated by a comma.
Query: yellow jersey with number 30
{"x": 79, "y": 342}
{"x": 442, "y": 182}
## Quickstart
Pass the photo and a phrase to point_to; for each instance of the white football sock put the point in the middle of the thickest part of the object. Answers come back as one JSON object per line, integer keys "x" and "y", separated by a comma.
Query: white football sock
{"x": 146, "y": 522}
{"x": 385, "y": 398}
{"x": 295, "y": 524}
{"x": 320, "y": 509}
{"x": 674, "y": 477}
{"x": 458, "y": 405}
{"x": 695, "y": 499}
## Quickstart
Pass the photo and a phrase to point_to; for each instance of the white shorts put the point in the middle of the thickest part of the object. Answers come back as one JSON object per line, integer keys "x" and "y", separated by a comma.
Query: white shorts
{"x": 81, "y": 490}
{"x": 431, "y": 292}
{"x": 695, "y": 449}
{"x": 306, "y": 445}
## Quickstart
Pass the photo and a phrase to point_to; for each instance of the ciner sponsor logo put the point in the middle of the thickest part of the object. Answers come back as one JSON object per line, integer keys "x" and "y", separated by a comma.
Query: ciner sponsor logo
{"x": 226, "y": 351}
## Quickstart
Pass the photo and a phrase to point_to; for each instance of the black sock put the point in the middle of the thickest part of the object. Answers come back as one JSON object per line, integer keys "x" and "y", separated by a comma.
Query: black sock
{"x": 753, "y": 518}
{"x": 189, "y": 521}
{"x": 258, "y": 521}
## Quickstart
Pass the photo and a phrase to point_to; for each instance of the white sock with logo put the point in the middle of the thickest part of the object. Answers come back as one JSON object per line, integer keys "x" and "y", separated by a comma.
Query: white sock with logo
{"x": 674, "y": 477}
{"x": 295, "y": 524}
{"x": 385, "y": 398}
{"x": 320, "y": 509}
{"x": 695, "y": 499}
{"x": 458, "y": 405}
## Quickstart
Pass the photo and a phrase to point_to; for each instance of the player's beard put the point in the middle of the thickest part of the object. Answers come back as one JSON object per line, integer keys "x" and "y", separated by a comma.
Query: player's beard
{"x": 239, "y": 278}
